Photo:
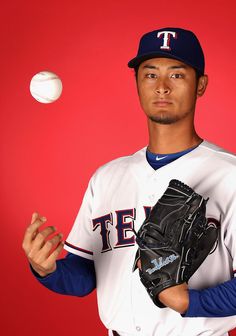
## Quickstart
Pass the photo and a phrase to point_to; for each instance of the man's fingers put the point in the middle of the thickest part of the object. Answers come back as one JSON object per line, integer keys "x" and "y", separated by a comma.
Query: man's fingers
{"x": 49, "y": 265}
{"x": 50, "y": 244}
{"x": 38, "y": 221}
{"x": 32, "y": 230}
{"x": 41, "y": 237}
{"x": 139, "y": 264}
{"x": 47, "y": 257}
{"x": 41, "y": 250}
{"x": 54, "y": 255}
{"x": 34, "y": 216}
{"x": 39, "y": 254}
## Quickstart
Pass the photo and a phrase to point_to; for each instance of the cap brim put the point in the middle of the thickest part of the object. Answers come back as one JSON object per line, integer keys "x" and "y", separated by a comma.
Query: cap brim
{"x": 138, "y": 60}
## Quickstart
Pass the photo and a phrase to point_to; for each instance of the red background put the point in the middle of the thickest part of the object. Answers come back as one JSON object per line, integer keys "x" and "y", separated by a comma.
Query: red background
{"x": 49, "y": 151}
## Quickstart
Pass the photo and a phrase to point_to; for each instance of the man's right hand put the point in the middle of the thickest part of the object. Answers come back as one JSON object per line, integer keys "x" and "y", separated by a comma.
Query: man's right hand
{"x": 42, "y": 251}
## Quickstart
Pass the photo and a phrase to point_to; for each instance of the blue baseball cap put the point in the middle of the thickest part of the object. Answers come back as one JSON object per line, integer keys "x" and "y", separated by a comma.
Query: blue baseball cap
{"x": 176, "y": 43}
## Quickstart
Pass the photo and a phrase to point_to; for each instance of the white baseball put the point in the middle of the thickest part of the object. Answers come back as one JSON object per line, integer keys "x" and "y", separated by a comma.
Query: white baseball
{"x": 46, "y": 87}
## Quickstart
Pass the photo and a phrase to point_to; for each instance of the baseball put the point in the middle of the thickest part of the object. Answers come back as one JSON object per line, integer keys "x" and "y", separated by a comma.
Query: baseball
{"x": 46, "y": 87}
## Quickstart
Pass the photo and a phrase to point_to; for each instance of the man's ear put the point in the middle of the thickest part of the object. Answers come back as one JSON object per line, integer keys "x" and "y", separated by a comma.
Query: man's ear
{"x": 202, "y": 85}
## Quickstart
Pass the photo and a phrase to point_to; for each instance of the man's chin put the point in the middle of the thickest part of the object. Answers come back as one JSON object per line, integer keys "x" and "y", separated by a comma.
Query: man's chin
{"x": 163, "y": 120}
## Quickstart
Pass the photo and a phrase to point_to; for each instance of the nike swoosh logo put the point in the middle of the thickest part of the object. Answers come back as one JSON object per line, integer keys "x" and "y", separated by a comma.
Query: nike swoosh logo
{"x": 160, "y": 158}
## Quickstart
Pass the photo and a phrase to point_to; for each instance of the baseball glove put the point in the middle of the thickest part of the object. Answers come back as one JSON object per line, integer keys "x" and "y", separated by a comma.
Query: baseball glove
{"x": 174, "y": 239}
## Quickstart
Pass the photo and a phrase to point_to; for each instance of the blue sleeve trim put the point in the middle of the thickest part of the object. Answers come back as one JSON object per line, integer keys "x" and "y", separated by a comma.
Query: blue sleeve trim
{"x": 78, "y": 248}
{"x": 74, "y": 276}
{"x": 219, "y": 301}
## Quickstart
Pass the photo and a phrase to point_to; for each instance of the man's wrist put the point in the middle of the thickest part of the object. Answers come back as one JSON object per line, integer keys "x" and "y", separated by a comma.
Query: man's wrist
{"x": 176, "y": 298}
{"x": 38, "y": 275}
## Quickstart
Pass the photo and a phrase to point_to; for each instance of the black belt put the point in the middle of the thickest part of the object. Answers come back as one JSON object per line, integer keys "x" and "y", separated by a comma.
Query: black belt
{"x": 115, "y": 333}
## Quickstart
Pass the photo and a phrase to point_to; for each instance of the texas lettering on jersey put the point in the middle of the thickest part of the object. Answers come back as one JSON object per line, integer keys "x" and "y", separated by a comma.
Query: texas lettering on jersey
{"x": 123, "y": 222}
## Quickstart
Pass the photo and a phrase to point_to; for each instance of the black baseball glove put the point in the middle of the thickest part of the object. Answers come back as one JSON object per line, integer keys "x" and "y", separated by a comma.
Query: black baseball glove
{"x": 174, "y": 239}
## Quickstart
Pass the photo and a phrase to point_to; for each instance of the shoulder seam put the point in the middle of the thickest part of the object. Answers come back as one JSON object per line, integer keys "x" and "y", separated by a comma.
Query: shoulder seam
{"x": 219, "y": 150}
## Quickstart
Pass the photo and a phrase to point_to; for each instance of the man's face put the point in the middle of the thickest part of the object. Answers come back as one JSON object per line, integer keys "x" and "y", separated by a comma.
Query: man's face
{"x": 168, "y": 89}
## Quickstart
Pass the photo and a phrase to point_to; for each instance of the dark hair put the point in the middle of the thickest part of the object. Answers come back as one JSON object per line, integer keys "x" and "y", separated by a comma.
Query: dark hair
{"x": 198, "y": 75}
{"x": 136, "y": 72}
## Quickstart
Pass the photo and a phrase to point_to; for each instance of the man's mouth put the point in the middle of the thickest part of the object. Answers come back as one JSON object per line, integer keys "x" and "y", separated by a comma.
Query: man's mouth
{"x": 162, "y": 103}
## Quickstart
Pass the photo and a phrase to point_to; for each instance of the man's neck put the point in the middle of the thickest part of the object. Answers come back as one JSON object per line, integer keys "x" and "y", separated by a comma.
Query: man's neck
{"x": 165, "y": 139}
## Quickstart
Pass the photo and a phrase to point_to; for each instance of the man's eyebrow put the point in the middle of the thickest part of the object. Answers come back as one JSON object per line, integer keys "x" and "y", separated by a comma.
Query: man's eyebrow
{"x": 149, "y": 66}
{"x": 182, "y": 66}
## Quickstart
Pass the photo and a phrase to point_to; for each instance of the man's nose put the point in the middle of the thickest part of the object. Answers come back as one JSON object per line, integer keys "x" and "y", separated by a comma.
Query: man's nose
{"x": 162, "y": 87}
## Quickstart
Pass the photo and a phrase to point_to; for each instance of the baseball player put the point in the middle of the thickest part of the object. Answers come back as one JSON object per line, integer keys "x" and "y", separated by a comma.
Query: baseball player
{"x": 170, "y": 76}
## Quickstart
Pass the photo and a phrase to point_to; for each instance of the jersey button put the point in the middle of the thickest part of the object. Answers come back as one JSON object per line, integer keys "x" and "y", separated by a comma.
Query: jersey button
{"x": 151, "y": 197}
{"x": 138, "y": 328}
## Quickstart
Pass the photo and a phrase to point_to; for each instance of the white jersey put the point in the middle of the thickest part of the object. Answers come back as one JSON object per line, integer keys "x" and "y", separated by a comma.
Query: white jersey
{"x": 118, "y": 198}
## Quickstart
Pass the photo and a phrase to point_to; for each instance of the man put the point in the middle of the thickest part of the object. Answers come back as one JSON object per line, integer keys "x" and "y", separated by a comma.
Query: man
{"x": 170, "y": 78}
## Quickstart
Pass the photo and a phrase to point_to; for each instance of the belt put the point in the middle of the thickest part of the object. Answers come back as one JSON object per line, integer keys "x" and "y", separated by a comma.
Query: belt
{"x": 115, "y": 333}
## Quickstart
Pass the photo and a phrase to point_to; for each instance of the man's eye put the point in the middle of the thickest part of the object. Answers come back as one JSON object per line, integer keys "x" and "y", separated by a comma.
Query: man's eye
{"x": 176, "y": 75}
{"x": 151, "y": 75}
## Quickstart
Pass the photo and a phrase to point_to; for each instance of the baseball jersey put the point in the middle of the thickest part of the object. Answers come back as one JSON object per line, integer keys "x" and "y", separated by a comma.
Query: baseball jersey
{"x": 118, "y": 198}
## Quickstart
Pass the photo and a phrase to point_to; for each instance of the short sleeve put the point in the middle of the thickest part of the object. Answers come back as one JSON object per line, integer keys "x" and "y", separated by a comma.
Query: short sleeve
{"x": 79, "y": 240}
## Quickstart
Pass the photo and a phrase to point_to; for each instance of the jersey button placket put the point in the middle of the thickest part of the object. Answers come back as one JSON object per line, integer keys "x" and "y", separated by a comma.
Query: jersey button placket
{"x": 151, "y": 197}
{"x": 152, "y": 188}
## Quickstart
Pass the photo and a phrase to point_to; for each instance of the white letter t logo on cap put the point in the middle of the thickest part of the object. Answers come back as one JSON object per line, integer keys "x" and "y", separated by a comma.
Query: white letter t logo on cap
{"x": 166, "y": 38}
